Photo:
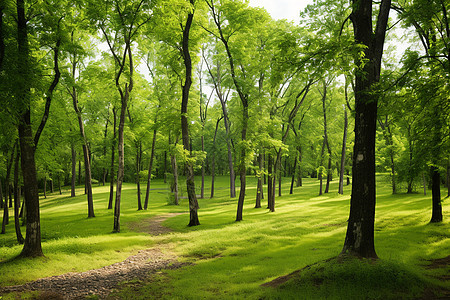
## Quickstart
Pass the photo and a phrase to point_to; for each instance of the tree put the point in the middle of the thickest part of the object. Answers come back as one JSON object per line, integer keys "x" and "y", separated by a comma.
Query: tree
{"x": 359, "y": 239}
{"x": 193, "y": 204}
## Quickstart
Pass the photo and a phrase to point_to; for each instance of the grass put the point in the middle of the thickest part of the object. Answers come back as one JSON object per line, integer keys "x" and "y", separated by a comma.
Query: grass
{"x": 232, "y": 260}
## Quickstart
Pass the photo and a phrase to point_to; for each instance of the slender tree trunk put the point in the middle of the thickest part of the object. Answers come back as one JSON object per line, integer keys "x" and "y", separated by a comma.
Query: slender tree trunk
{"x": 242, "y": 165}
{"x": 359, "y": 239}
{"x": 105, "y": 171}
{"x": 150, "y": 167}
{"x": 291, "y": 191}
{"x": 174, "y": 186}
{"x": 19, "y": 236}
{"x": 87, "y": 164}
{"x": 74, "y": 171}
{"x": 436, "y": 216}
{"x": 259, "y": 188}
{"x": 138, "y": 170}
{"x": 165, "y": 166}
{"x": 121, "y": 155}
{"x": 448, "y": 178}
{"x": 344, "y": 146}
{"x": 213, "y": 168}
{"x": 113, "y": 160}
{"x": 79, "y": 171}
{"x": 189, "y": 168}
{"x": 1, "y": 194}
{"x": 202, "y": 188}
{"x": 299, "y": 168}
{"x": 270, "y": 185}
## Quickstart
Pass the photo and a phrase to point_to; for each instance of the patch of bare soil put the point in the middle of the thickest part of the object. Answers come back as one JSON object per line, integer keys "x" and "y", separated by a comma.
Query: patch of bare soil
{"x": 102, "y": 281}
{"x": 153, "y": 225}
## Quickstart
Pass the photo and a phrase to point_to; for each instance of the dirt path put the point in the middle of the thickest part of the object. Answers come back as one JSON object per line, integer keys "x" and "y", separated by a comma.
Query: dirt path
{"x": 102, "y": 281}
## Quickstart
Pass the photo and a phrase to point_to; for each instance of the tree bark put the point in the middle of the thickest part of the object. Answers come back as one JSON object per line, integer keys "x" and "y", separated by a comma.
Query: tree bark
{"x": 174, "y": 186}
{"x": 213, "y": 163}
{"x": 259, "y": 188}
{"x": 87, "y": 164}
{"x": 150, "y": 167}
{"x": 359, "y": 239}
{"x": 138, "y": 170}
{"x": 121, "y": 155}
{"x": 344, "y": 146}
{"x": 74, "y": 171}
{"x": 436, "y": 215}
{"x": 189, "y": 168}
{"x": 113, "y": 152}
{"x": 291, "y": 191}
{"x": 270, "y": 185}
{"x": 19, "y": 236}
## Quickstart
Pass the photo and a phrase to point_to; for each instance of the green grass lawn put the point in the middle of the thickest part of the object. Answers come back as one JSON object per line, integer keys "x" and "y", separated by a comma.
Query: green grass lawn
{"x": 232, "y": 260}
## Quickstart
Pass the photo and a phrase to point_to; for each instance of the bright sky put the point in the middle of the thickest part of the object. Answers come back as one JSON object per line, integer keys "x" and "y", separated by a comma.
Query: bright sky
{"x": 282, "y": 9}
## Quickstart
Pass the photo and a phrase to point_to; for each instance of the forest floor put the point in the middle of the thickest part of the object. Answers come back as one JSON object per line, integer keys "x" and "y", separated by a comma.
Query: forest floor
{"x": 289, "y": 254}
{"x": 101, "y": 282}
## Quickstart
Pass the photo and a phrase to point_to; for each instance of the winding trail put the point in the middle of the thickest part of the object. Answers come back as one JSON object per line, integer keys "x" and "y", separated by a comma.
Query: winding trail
{"x": 101, "y": 282}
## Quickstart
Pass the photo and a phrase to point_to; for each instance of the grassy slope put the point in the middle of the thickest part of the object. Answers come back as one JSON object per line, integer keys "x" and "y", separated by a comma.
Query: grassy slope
{"x": 233, "y": 259}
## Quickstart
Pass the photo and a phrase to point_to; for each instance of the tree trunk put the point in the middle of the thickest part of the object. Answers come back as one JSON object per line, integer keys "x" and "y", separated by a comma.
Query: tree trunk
{"x": 270, "y": 185}
{"x": 87, "y": 164}
{"x": 189, "y": 168}
{"x": 165, "y": 166}
{"x": 32, "y": 246}
{"x": 299, "y": 174}
{"x": 150, "y": 167}
{"x": 113, "y": 152}
{"x": 291, "y": 191}
{"x": 344, "y": 146}
{"x": 74, "y": 171}
{"x": 242, "y": 165}
{"x": 213, "y": 168}
{"x": 436, "y": 215}
{"x": 359, "y": 239}
{"x": 121, "y": 155}
{"x": 138, "y": 170}
{"x": 174, "y": 186}
{"x": 448, "y": 179}
{"x": 259, "y": 188}
{"x": 202, "y": 188}
{"x": 19, "y": 236}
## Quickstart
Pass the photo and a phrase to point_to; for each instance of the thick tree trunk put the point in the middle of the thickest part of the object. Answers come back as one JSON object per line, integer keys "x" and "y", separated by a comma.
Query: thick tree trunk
{"x": 150, "y": 167}
{"x": 32, "y": 246}
{"x": 436, "y": 215}
{"x": 74, "y": 171}
{"x": 359, "y": 239}
{"x": 344, "y": 147}
{"x": 189, "y": 168}
{"x": 113, "y": 152}
{"x": 19, "y": 236}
